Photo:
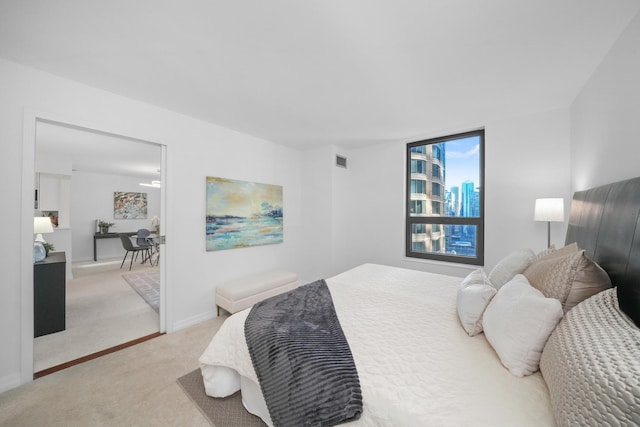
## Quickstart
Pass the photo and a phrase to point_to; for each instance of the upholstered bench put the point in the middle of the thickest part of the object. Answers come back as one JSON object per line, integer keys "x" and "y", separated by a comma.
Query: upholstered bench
{"x": 242, "y": 293}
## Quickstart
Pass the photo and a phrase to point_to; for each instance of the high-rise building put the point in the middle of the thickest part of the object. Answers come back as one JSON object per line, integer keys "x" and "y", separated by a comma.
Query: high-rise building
{"x": 428, "y": 196}
{"x": 461, "y": 239}
{"x": 453, "y": 201}
{"x": 467, "y": 201}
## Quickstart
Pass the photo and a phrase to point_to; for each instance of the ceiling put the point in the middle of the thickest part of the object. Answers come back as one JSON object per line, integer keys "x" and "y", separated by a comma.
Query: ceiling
{"x": 306, "y": 73}
{"x": 97, "y": 152}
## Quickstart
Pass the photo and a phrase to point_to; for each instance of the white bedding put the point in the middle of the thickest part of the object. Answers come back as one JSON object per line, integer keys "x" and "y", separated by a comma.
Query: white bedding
{"x": 417, "y": 366}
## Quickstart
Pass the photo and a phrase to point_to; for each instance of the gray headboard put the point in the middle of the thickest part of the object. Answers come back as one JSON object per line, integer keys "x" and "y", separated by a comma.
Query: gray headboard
{"x": 604, "y": 221}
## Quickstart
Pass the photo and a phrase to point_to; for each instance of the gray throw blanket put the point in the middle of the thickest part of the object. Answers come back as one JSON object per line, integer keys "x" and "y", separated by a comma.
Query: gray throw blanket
{"x": 302, "y": 359}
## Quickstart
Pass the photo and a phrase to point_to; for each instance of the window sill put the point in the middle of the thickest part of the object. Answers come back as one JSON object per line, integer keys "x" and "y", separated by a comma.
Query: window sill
{"x": 444, "y": 267}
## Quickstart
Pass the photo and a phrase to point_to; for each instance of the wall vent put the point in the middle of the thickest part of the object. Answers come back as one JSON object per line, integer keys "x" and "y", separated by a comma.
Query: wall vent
{"x": 341, "y": 161}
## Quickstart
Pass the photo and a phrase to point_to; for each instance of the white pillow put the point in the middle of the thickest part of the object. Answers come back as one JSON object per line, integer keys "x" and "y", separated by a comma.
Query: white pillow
{"x": 514, "y": 263}
{"x": 474, "y": 294}
{"x": 517, "y": 324}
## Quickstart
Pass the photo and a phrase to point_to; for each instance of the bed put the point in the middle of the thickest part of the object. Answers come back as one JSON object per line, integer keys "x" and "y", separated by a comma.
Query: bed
{"x": 435, "y": 350}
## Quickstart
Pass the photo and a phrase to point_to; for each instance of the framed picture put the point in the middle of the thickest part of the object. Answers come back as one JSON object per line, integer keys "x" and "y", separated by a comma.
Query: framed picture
{"x": 128, "y": 205}
{"x": 53, "y": 216}
{"x": 241, "y": 214}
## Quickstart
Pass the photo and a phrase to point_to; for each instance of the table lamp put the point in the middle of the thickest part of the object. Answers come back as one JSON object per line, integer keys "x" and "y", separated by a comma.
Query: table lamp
{"x": 550, "y": 210}
{"x": 41, "y": 224}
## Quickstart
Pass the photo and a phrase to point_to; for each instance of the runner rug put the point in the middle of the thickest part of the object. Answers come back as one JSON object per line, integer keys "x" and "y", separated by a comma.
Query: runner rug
{"x": 147, "y": 285}
{"x": 221, "y": 412}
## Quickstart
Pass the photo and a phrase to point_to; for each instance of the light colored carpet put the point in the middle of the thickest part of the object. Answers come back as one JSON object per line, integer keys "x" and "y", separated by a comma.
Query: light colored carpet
{"x": 222, "y": 412}
{"x": 147, "y": 285}
{"x": 102, "y": 311}
{"x": 133, "y": 387}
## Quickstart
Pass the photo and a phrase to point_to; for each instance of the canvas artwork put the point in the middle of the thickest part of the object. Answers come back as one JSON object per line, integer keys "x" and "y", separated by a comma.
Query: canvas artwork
{"x": 53, "y": 216}
{"x": 128, "y": 205}
{"x": 241, "y": 214}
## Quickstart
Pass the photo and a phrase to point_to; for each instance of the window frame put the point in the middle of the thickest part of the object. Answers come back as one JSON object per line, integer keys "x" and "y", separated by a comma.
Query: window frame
{"x": 443, "y": 221}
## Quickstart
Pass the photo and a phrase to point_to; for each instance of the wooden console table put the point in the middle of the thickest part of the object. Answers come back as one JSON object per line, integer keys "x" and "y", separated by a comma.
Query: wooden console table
{"x": 97, "y": 236}
{"x": 49, "y": 294}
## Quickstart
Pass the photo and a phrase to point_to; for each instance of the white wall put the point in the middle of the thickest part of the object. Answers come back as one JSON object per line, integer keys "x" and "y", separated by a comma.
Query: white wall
{"x": 525, "y": 158}
{"x": 345, "y": 199}
{"x": 92, "y": 198}
{"x": 53, "y": 181}
{"x": 333, "y": 219}
{"x": 605, "y": 117}
{"x": 195, "y": 149}
{"x": 330, "y": 199}
{"x": 317, "y": 211}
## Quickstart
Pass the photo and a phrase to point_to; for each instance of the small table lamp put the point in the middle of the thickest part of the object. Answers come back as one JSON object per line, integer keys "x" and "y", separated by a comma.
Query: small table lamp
{"x": 550, "y": 210}
{"x": 41, "y": 224}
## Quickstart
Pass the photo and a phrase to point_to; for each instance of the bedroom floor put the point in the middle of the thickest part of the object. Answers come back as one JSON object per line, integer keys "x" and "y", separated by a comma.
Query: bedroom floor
{"x": 102, "y": 311}
{"x": 134, "y": 386}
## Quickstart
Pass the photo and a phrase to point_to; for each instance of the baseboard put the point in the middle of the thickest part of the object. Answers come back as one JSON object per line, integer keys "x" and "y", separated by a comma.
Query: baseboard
{"x": 9, "y": 382}
{"x": 194, "y": 320}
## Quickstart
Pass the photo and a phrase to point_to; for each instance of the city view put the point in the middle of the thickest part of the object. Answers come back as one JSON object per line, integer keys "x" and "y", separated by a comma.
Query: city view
{"x": 445, "y": 180}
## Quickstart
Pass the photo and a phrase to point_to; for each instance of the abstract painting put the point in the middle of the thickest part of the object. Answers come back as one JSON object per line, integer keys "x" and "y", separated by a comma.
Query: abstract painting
{"x": 128, "y": 205}
{"x": 53, "y": 215}
{"x": 241, "y": 214}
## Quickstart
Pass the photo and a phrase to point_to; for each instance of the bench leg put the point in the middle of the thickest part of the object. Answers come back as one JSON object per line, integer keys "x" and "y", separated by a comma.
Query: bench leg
{"x": 218, "y": 310}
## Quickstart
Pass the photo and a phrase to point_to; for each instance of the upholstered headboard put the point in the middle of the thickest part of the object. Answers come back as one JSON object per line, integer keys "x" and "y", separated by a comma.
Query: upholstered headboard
{"x": 604, "y": 221}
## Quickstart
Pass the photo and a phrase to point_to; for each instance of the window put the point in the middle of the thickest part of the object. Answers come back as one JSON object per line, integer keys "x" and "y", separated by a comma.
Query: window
{"x": 419, "y": 228}
{"x": 437, "y": 152}
{"x": 418, "y": 186}
{"x": 418, "y": 166}
{"x": 418, "y": 246}
{"x": 435, "y": 170}
{"x": 417, "y": 207}
{"x": 435, "y": 189}
{"x": 453, "y": 230}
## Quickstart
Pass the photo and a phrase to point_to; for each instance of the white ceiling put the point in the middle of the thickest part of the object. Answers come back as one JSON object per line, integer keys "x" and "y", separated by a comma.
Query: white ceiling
{"x": 95, "y": 152}
{"x": 303, "y": 73}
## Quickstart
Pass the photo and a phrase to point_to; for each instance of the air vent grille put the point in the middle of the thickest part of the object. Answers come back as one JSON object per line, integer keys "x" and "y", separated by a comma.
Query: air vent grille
{"x": 341, "y": 161}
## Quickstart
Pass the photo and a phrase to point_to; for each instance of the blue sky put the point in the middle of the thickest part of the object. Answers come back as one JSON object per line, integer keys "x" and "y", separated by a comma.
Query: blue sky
{"x": 462, "y": 161}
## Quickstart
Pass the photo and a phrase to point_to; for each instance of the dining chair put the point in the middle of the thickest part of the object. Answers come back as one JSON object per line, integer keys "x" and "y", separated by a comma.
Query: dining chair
{"x": 143, "y": 239}
{"x": 128, "y": 245}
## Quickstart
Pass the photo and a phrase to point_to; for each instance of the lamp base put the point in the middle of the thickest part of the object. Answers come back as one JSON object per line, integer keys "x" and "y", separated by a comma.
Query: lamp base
{"x": 39, "y": 253}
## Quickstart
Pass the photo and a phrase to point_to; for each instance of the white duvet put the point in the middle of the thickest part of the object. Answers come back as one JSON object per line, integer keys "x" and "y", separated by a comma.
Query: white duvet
{"x": 416, "y": 364}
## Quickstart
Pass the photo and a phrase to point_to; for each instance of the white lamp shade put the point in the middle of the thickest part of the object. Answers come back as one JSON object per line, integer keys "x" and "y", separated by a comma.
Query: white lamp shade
{"x": 549, "y": 210}
{"x": 42, "y": 224}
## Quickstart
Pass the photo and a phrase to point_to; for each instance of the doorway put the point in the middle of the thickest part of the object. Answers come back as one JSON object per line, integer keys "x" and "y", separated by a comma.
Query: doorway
{"x": 98, "y": 153}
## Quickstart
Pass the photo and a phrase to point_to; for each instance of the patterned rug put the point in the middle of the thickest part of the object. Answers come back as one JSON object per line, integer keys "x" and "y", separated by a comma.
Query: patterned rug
{"x": 147, "y": 285}
{"x": 220, "y": 412}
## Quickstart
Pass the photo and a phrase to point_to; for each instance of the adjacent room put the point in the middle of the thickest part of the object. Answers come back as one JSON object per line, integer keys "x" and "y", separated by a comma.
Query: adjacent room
{"x": 85, "y": 179}
{"x": 414, "y": 189}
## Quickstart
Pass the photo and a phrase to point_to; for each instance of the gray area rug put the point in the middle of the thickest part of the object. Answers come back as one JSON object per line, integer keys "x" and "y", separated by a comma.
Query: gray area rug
{"x": 221, "y": 412}
{"x": 147, "y": 285}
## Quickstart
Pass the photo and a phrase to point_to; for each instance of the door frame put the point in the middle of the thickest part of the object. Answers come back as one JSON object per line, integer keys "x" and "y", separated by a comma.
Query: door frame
{"x": 30, "y": 120}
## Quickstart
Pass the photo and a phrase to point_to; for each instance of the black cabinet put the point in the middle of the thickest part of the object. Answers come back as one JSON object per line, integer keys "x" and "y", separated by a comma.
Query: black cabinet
{"x": 49, "y": 294}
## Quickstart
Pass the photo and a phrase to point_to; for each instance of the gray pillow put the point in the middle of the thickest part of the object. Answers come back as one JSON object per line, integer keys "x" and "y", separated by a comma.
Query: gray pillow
{"x": 570, "y": 278}
{"x": 514, "y": 263}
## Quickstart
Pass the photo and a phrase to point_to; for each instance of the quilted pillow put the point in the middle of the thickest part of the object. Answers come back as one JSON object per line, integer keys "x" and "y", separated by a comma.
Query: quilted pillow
{"x": 551, "y": 249}
{"x": 474, "y": 294}
{"x": 552, "y": 252}
{"x": 569, "y": 279}
{"x": 517, "y": 324}
{"x": 591, "y": 365}
{"x": 509, "y": 266}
